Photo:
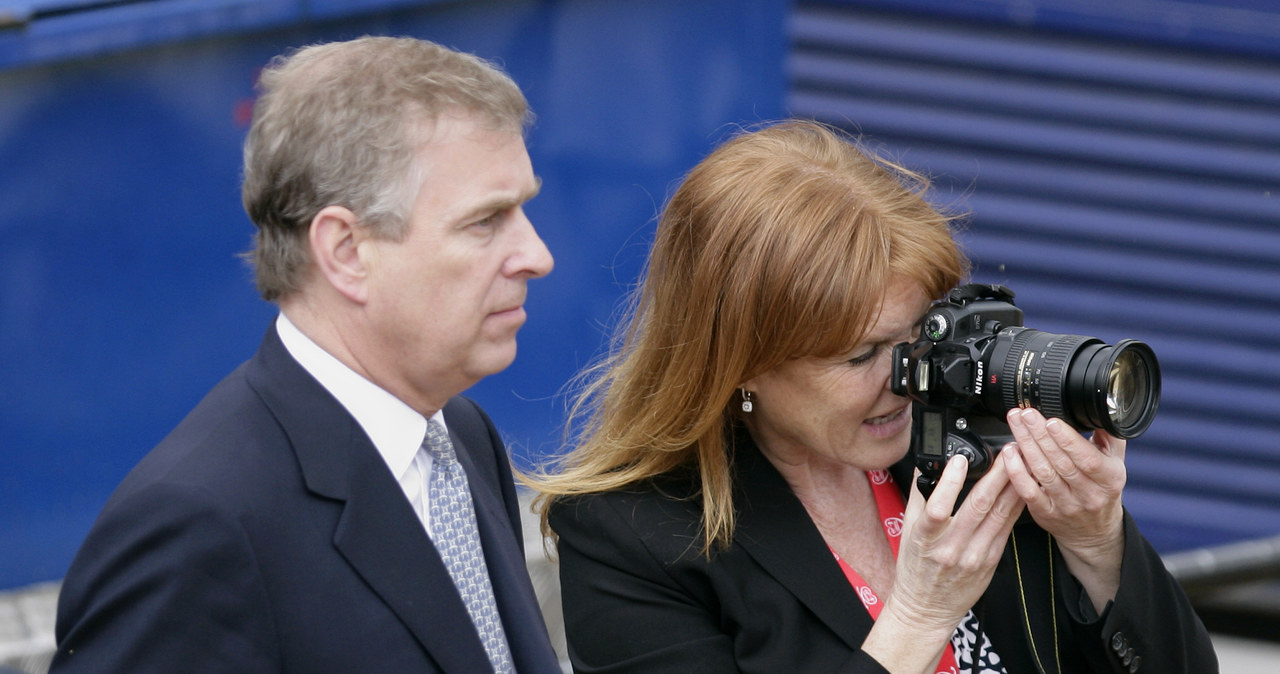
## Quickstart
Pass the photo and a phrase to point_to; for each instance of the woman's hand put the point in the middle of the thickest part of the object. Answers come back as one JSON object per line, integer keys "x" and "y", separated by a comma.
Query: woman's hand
{"x": 1072, "y": 488}
{"x": 944, "y": 565}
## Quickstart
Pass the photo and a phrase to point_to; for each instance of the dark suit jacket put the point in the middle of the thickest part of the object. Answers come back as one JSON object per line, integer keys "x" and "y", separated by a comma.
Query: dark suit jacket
{"x": 640, "y": 596}
{"x": 266, "y": 534}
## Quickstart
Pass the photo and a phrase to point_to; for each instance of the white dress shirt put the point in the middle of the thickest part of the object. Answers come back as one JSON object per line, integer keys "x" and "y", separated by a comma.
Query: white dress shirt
{"x": 396, "y": 429}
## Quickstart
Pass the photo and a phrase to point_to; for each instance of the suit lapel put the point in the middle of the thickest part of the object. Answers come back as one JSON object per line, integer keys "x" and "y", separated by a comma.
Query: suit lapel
{"x": 774, "y": 528}
{"x": 380, "y": 536}
{"x": 377, "y": 532}
{"x": 503, "y": 551}
{"x": 482, "y": 477}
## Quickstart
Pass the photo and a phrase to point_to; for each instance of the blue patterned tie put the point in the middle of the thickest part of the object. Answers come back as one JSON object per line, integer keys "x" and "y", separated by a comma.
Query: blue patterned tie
{"x": 454, "y": 532}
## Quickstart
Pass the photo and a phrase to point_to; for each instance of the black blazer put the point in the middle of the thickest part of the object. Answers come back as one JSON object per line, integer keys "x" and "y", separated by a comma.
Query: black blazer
{"x": 266, "y": 534}
{"x": 639, "y": 596}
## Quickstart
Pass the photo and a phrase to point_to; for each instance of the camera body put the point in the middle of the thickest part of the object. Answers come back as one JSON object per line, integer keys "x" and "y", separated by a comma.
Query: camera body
{"x": 974, "y": 361}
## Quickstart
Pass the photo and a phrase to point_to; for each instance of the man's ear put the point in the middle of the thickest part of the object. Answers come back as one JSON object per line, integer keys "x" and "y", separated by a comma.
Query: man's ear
{"x": 334, "y": 236}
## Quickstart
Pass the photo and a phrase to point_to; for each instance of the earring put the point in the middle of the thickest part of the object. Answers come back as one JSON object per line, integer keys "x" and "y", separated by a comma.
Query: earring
{"x": 746, "y": 401}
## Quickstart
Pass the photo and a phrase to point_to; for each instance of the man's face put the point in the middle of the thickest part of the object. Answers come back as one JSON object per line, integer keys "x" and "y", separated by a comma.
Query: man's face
{"x": 446, "y": 301}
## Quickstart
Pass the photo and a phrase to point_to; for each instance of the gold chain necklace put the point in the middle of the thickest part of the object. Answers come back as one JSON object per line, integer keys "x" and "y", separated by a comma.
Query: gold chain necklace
{"x": 1053, "y": 604}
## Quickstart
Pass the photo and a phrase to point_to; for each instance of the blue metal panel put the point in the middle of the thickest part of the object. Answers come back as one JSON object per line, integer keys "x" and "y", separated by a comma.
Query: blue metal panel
{"x": 1230, "y": 26}
{"x": 1122, "y": 188}
{"x": 121, "y": 298}
{"x": 44, "y": 31}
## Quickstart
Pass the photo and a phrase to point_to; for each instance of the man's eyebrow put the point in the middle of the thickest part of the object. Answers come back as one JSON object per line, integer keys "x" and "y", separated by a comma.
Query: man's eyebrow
{"x": 504, "y": 202}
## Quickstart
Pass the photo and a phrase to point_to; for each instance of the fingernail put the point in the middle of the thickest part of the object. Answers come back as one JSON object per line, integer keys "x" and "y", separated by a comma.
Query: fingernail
{"x": 1009, "y": 452}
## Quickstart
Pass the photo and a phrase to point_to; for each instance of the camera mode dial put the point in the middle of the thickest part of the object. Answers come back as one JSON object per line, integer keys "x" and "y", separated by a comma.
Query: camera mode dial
{"x": 937, "y": 327}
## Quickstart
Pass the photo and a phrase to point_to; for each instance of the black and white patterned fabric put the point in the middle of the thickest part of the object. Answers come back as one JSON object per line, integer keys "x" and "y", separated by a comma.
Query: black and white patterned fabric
{"x": 963, "y": 641}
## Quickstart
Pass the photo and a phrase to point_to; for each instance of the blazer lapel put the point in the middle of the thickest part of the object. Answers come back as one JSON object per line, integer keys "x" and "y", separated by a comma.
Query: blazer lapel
{"x": 774, "y": 528}
{"x": 503, "y": 550}
{"x": 377, "y": 532}
{"x": 478, "y": 461}
{"x": 384, "y": 541}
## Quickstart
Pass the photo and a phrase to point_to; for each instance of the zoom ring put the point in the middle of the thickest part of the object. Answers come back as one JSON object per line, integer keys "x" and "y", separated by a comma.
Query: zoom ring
{"x": 1035, "y": 371}
{"x": 1053, "y": 376}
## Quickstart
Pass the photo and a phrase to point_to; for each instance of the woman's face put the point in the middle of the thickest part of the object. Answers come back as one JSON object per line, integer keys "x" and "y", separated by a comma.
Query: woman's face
{"x": 824, "y": 410}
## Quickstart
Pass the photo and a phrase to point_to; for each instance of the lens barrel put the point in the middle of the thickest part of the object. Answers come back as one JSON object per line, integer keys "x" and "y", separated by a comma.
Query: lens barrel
{"x": 1079, "y": 379}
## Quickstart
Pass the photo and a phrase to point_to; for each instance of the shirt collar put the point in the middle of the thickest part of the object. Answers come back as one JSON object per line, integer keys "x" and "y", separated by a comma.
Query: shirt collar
{"x": 396, "y": 429}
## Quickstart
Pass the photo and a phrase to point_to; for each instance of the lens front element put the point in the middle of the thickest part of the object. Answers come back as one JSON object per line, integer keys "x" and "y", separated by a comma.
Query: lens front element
{"x": 1132, "y": 388}
{"x": 1079, "y": 379}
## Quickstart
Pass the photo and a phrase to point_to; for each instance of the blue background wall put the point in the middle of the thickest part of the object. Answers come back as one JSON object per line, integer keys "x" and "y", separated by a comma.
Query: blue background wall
{"x": 122, "y": 299}
{"x": 1120, "y": 166}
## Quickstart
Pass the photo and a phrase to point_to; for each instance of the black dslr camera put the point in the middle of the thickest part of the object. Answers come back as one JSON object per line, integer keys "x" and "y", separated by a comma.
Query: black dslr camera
{"x": 974, "y": 361}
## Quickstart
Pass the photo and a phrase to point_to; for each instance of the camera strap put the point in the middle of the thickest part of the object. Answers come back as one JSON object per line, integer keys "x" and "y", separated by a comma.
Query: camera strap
{"x": 1026, "y": 614}
{"x": 892, "y": 511}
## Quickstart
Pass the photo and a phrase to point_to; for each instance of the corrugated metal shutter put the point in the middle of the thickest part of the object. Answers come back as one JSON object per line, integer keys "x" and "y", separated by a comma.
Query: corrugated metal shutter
{"x": 1123, "y": 191}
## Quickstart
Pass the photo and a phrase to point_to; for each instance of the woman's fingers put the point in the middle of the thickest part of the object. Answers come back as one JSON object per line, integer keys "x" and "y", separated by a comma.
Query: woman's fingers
{"x": 993, "y": 506}
{"x": 1021, "y": 477}
{"x": 942, "y": 502}
{"x": 1044, "y": 458}
{"x": 1072, "y": 486}
{"x": 946, "y": 561}
{"x": 1062, "y": 462}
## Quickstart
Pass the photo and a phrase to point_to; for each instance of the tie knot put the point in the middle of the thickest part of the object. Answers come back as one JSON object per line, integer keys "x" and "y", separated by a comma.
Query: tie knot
{"x": 437, "y": 443}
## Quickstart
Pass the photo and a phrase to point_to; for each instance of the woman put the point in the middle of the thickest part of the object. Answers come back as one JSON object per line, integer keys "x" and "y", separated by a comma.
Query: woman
{"x": 736, "y": 502}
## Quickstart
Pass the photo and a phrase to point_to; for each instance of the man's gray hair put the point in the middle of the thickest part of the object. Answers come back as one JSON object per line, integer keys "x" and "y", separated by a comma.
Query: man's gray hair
{"x": 340, "y": 124}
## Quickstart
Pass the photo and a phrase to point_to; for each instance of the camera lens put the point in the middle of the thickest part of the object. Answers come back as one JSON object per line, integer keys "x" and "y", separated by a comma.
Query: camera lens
{"x": 1079, "y": 379}
{"x": 1121, "y": 388}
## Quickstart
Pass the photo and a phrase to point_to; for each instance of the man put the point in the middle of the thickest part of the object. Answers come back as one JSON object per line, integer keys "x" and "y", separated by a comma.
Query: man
{"x": 298, "y": 520}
